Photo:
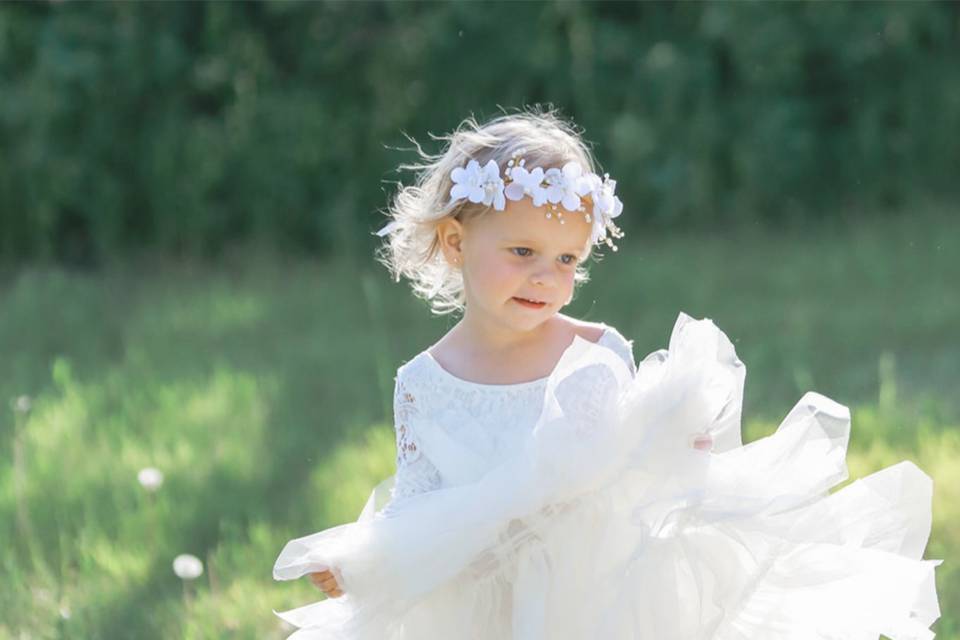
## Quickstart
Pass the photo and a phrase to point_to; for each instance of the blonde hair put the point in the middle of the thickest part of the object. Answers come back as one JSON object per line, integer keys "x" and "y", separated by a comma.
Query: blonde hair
{"x": 412, "y": 248}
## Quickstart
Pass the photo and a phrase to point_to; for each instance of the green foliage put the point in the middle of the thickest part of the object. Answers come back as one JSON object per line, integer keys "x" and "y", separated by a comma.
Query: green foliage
{"x": 189, "y": 126}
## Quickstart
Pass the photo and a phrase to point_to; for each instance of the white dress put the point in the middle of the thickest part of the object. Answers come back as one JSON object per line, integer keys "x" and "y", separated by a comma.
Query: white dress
{"x": 574, "y": 507}
{"x": 488, "y": 419}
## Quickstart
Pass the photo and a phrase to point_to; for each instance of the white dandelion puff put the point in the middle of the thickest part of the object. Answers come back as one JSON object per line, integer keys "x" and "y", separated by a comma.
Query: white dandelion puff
{"x": 22, "y": 404}
{"x": 150, "y": 478}
{"x": 187, "y": 567}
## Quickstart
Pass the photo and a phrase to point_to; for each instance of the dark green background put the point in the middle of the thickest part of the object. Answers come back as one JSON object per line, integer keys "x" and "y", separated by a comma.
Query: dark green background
{"x": 186, "y": 126}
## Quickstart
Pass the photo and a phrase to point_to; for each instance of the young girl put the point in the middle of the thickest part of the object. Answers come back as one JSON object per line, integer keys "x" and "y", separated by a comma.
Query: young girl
{"x": 549, "y": 487}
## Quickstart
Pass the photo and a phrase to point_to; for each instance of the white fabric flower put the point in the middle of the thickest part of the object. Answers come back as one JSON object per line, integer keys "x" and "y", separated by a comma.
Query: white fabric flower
{"x": 589, "y": 184}
{"x": 605, "y": 202}
{"x": 606, "y": 205}
{"x": 478, "y": 185}
{"x": 564, "y": 186}
{"x": 527, "y": 183}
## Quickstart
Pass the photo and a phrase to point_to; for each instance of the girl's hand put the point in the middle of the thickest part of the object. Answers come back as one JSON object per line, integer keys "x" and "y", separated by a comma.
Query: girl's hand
{"x": 702, "y": 441}
{"x": 326, "y": 582}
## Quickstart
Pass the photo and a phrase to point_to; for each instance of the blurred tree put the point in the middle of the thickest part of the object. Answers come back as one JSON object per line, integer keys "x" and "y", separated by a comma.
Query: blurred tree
{"x": 186, "y": 126}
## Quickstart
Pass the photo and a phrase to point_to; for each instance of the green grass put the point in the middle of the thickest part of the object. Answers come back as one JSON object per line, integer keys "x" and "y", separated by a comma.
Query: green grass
{"x": 261, "y": 387}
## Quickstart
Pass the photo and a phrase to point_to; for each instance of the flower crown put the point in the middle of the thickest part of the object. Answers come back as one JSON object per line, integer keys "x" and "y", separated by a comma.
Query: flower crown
{"x": 551, "y": 186}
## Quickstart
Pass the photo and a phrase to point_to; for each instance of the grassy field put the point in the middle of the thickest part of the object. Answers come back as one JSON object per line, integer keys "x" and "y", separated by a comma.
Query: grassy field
{"x": 261, "y": 388}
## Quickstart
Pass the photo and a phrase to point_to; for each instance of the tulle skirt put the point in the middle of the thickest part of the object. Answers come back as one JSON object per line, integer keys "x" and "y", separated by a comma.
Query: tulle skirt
{"x": 607, "y": 524}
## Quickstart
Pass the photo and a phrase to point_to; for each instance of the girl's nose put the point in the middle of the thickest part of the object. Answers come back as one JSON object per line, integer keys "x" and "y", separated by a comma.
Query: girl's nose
{"x": 542, "y": 277}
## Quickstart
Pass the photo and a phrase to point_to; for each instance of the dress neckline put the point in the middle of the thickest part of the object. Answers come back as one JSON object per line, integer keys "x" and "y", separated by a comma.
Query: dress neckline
{"x": 514, "y": 385}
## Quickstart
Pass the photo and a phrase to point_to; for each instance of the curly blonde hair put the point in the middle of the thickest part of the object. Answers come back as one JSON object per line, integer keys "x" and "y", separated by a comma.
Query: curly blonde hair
{"x": 412, "y": 247}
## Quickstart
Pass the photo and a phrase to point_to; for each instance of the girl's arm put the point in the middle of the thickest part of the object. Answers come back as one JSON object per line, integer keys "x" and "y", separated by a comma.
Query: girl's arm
{"x": 415, "y": 472}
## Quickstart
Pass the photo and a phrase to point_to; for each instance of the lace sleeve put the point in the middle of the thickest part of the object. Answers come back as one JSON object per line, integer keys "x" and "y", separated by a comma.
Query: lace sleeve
{"x": 415, "y": 472}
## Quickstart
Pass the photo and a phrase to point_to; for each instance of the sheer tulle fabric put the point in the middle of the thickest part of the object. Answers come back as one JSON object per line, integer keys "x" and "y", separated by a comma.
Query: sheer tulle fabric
{"x": 607, "y": 524}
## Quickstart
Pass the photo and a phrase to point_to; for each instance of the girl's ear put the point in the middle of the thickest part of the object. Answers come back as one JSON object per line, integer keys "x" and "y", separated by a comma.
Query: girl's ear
{"x": 450, "y": 235}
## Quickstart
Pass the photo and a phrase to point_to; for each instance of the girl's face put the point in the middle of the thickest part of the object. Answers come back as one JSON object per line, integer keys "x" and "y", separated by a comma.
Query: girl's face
{"x": 518, "y": 253}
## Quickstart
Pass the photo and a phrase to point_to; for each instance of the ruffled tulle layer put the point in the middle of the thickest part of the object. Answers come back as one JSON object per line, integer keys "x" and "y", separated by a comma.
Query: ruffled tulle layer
{"x": 607, "y": 524}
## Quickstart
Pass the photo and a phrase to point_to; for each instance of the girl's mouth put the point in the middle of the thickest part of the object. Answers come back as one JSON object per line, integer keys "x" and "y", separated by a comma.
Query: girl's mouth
{"x": 530, "y": 303}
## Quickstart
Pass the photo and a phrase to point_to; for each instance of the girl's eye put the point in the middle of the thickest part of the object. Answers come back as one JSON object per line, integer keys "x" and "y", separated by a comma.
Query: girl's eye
{"x": 572, "y": 258}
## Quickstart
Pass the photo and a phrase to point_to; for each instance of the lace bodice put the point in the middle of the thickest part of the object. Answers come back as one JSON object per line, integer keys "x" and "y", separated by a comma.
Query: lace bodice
{"x": 488, "y": 419}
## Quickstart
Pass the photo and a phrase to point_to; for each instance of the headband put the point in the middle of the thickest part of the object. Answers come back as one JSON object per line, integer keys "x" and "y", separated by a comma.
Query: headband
{"x": 551, "y": 187}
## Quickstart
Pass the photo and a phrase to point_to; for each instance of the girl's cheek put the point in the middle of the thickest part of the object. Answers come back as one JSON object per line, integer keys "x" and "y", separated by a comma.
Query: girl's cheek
{"x": 503, "y": 270}
{"x": 498, "y": 273}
